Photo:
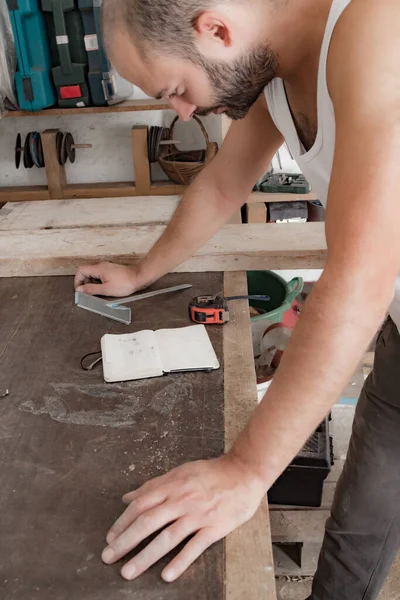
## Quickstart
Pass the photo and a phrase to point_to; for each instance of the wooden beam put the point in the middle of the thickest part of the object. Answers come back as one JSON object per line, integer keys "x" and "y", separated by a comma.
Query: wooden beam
{"x": 166, "y": 188}
{"x": 88, "y": 190}
{"x": 236, "y": 219}
{"x": 262, "y": 197}
{"x": 94, "y": 212}
{"x": 126, "y": 188}
{"x": 24, "y": 193}
{"x": 100, "y": 190}
{"x": 256, "y": 213}
{"x": 141, "y": 160}
{"x": 249, "y": 569}
{"x": 127, "y": 106}
{"x": 258, "y": 247}
{"x": 298, "y": 525}
{"x": 120, "y": 189}
{"x": 55, "y": 173}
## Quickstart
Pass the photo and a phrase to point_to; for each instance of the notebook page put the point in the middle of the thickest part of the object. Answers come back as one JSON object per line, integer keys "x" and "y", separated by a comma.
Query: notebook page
{"x": 186, "y": 349}
{"x": 130, "y": 356}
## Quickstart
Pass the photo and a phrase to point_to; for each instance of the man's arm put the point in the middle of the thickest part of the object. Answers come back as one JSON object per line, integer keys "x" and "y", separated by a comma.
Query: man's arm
{"x": 216, "y": 194}
{"x": 363, "y": 235}
{"x": 211, "y": 498}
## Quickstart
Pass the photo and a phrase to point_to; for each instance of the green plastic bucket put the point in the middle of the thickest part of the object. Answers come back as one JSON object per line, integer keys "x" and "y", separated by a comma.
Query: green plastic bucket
{"x": 281, "y": 293}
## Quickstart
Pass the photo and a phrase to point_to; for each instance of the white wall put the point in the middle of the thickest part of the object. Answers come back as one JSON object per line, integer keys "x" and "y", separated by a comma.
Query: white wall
{"x": 110, "y": 159}
{"x": 288, "y": 164}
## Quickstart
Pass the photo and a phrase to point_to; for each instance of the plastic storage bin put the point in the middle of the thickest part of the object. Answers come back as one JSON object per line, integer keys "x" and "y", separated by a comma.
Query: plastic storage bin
{"x": 302, "y": 482}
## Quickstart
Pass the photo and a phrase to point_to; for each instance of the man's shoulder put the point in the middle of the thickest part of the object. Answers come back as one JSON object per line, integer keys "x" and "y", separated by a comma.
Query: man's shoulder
{"x": 365, "y": 48}
{"x": 373, "y": 21}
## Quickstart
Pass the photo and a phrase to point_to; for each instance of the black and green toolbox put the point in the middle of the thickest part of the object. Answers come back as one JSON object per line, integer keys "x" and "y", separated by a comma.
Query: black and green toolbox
{"x": 102, "y": 80}
{"x": 69, "y": 56}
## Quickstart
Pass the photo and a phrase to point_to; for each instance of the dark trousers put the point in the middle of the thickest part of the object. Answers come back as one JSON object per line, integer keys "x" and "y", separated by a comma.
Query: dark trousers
{"x": 362, "y": 535}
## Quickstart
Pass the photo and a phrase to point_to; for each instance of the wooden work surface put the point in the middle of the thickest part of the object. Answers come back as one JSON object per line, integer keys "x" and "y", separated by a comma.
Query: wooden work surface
{"x": 71, "y": 445}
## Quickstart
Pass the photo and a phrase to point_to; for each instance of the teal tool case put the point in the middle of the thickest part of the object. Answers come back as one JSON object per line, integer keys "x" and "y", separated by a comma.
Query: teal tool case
{"x": 70, "y": 61}
{"x": 33, "y": 80}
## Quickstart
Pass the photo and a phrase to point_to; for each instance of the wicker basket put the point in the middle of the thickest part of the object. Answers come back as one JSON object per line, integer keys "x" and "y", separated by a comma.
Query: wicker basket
{"x": 182, "y": 167}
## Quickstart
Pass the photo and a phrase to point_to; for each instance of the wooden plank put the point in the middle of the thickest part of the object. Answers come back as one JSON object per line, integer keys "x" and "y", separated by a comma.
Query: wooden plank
{"x": 118, "y": 189}
{"x": 60, "y": 251}
{"x": 256, "y": 213}
{"x": 288, "y": 526}
{"x": 102, "y": 212}
{"x": 127, "y": 106}
{"x": 261, "y": 197}
{"x": 236, "y": 219}
{"x": 61, "y": 214}
{"x": 55, "y": 173}
{"x": 296, "y": 560}
{"x": 71, "y": 445}
{"x": 23, "y": 193}
{"x": 166, "y": 188}
{"x": 88, "y": 190}
{"x": 141, "y": 160}
{"x": 248, "y": 551}
{"x": 100, "y": 190}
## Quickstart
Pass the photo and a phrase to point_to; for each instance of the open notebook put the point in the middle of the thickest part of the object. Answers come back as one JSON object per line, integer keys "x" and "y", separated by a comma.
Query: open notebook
{"x": 152, "y": 353}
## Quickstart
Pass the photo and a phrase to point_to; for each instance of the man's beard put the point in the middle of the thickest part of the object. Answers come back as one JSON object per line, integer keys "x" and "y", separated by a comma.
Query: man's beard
{"x": 237, "y": 86}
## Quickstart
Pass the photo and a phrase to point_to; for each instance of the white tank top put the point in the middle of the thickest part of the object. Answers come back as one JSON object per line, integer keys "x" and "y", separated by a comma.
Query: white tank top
{"x": 316, "y": 164}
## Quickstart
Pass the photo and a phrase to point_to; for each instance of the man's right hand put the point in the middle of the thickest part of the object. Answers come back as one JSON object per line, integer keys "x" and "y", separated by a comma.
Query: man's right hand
{"x": 210, "y": 201}
{"x": 108, "y": 279}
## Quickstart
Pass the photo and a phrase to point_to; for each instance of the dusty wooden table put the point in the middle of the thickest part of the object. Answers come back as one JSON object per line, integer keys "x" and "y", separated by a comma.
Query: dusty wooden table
{"x": 71, "y": 445}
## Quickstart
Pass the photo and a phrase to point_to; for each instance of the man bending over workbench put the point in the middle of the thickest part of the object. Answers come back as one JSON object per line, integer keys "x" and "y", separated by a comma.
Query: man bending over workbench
{"x": 325, "y": 77}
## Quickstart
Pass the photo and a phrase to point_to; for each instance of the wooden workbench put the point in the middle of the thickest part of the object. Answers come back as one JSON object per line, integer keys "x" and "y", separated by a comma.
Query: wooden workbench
{"x": 71, "y": 445}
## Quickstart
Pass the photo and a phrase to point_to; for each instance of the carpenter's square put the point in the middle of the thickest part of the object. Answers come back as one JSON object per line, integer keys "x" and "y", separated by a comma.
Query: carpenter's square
{"x": 113, "y": 309}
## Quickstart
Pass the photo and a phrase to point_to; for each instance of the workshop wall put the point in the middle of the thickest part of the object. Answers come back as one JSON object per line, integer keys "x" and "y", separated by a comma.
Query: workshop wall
{"x": 110, "y": 159}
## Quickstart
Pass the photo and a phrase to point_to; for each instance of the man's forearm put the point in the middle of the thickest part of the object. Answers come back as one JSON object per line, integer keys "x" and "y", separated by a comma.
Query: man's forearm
{"x": 326, "y": 347}
{"x": 202, "y": 211}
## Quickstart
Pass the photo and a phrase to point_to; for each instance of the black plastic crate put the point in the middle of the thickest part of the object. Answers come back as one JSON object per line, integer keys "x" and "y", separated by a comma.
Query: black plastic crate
{"x": 302, "y": 482}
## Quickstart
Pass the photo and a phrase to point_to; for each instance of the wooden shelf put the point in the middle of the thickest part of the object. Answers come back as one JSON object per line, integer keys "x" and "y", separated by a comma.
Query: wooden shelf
{"x": 59, "y": 189}
{"x": 88, "y": 190}
{"x": 268, "y": 197}
{"x": 127, "y": 106}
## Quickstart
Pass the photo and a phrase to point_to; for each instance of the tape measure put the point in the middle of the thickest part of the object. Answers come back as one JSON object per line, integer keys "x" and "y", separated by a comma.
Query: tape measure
{"x": 213, "y": 310}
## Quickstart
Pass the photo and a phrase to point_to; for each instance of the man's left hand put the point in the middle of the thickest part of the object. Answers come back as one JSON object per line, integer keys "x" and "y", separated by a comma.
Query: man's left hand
{"x": 203, "y": 499}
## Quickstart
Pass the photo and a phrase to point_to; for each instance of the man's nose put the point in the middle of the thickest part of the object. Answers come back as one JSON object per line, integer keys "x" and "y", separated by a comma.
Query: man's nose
{"x": 184, "y": 109}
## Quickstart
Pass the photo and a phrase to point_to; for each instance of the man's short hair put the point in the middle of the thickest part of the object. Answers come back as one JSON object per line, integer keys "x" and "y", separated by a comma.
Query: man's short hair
{"x": 165, "y": 26}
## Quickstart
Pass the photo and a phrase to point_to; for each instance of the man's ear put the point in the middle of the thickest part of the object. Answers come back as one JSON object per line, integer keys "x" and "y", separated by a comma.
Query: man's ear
{"x": 213, "y": 34}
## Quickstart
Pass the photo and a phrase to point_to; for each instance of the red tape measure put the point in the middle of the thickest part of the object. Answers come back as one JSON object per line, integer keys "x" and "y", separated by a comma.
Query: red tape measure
{"x": 213, "y": 310}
